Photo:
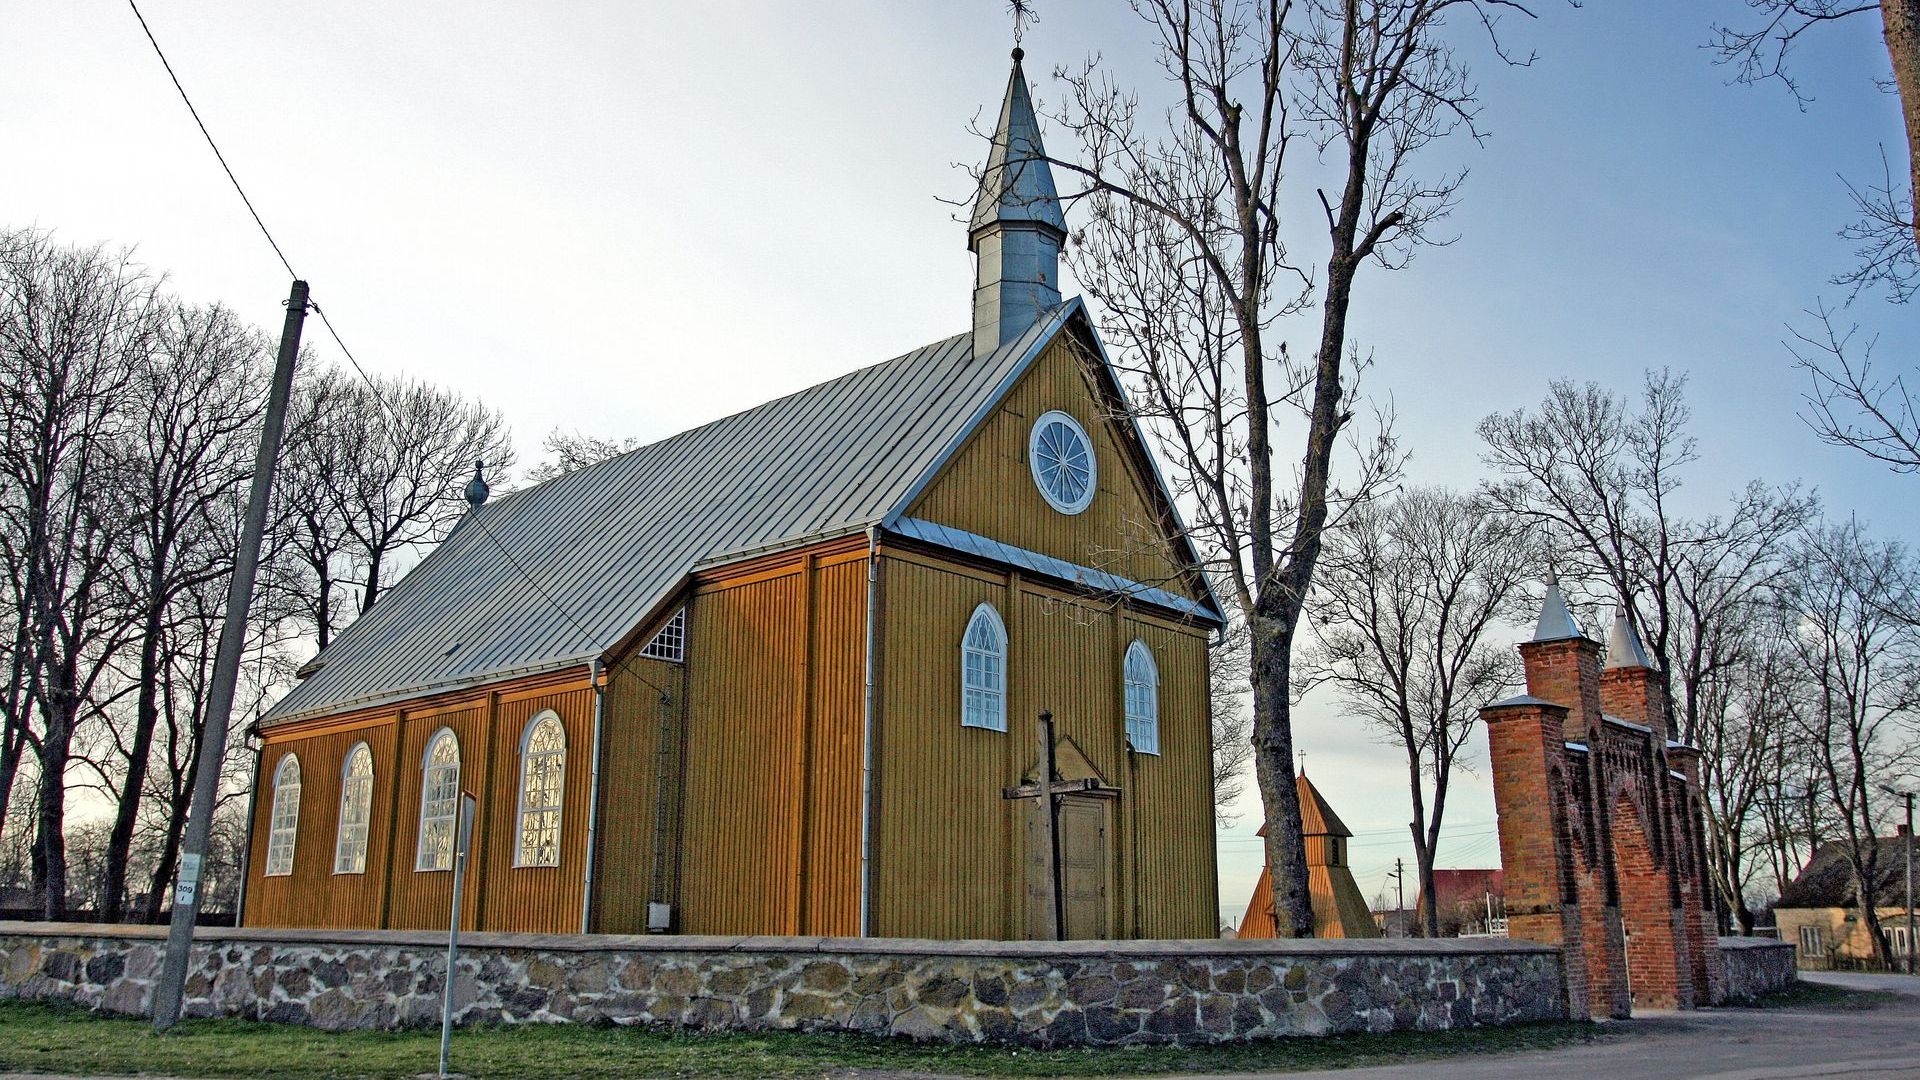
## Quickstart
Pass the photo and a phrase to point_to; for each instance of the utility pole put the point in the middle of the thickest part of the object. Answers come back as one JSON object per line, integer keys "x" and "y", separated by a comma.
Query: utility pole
{"x": 168, "y": 992}
{"x": 1400, "y": 896}
{"x": 1907, "y": 856}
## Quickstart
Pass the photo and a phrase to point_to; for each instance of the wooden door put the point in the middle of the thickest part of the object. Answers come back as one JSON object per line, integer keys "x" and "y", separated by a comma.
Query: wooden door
{"x": 1083, "y": 869}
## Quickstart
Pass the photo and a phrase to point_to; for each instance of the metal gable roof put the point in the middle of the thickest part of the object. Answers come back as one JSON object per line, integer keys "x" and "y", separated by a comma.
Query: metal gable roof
{"x": 606, "y": 545}
{"x": 595, "y": 552}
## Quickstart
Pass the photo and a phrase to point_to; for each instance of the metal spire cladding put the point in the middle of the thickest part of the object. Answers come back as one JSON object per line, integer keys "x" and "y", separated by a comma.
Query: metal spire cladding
{"x": 1556, "y": 622}
{"x": 1017, "y": 227}
{"x": 1623, "y": 645}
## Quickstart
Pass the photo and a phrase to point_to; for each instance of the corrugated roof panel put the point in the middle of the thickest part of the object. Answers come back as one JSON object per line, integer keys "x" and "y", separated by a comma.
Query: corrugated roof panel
{"x": 605, "y": 544}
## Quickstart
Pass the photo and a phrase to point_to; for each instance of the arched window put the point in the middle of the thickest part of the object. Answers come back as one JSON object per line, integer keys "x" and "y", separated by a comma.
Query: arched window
{"x": 543, "y": 779}
{"x": 439, "y": 801}
{"x": 1143, "y": 699}
{"x": 356, "y": 809}
{"x": 983, "y": 671}
{"x": 283, "y": 827}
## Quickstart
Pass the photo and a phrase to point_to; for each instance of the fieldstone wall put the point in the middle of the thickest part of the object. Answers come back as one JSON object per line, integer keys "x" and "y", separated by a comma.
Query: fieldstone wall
{"x": 1756, "y": 967}
{"x": 1038, "y": 993}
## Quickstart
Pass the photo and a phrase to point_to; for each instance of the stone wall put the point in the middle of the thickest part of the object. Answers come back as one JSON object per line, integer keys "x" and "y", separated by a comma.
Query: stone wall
{"x": 1756, "y": 967}
{"x": 1038, "y": 993}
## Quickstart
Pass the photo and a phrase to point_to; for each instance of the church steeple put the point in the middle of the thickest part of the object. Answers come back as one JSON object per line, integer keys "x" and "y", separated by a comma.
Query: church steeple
{"x": 1017, "y": 227}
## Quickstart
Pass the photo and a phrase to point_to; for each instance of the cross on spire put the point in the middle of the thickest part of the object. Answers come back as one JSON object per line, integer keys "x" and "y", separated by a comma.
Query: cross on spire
{"x": 1022, "y": 15}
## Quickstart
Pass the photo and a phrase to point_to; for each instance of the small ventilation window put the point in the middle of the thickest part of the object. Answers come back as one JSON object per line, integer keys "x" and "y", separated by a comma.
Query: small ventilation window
{"x": 670, "y": 643}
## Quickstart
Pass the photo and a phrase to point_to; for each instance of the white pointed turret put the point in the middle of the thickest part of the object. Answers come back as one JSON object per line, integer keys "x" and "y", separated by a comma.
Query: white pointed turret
{"x": 1623, "y": 645}
{"x": 1017, "y": 228}
{"x": 1556, "y": 622}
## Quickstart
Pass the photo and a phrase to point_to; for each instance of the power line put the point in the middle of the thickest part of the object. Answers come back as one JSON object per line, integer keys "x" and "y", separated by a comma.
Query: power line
{"x": 352, "y": 360}
{"x": 213, "y": 145}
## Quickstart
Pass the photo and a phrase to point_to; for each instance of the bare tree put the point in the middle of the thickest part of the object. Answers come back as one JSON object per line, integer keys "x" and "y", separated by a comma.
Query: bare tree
{"x": 1600, "y": 475}
{"x": 71, "y": 322}
{"x": 1759, "y": 53}
{"x": 1860, "y": 667}
{"x": 1229, "y": 741}
{"x": 1410, "y": 589}
{"x": 309, "y": 531}
{"x": 415, "y": 447}
{"x": 374, "y": 474}
{"x": 183, "y": 463}
{"x": 568, "y": 451}
{"x": 1852, "y": 403}
{"x": 1186, "y": 256}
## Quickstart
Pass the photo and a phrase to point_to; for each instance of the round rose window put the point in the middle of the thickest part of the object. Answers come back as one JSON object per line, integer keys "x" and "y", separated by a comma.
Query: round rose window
{"x": 1061, "y": 457}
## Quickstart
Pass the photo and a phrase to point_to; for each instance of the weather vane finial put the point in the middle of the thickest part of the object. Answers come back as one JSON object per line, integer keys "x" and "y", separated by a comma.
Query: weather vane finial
{"x": 1022, "y": 15}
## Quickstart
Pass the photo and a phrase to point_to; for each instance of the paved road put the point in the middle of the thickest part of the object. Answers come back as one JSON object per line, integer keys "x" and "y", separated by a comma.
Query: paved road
{"x": 1712, "y": 1044}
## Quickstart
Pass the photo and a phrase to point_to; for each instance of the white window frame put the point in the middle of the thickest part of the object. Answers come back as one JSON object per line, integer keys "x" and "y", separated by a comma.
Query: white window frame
{"x": 1046, "y": 420}
{"x": 1140, "y": 677}
{"x": 1812, "y": 940}
{"x": 526, "y": 847}
{"x": 350, "y": 836}
{"x": 438, "y": 816}
{"x": 670, "y": 644}
{"x": 283, "y": 822}
{"x": 988, "y": 691}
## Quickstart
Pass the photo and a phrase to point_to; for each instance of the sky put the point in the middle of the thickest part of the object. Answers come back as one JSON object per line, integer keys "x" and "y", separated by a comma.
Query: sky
{"x": 628, "y": 219}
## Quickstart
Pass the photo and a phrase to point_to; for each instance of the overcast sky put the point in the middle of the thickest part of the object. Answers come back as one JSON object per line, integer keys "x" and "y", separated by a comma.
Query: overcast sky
{"x": 628, "y": 219}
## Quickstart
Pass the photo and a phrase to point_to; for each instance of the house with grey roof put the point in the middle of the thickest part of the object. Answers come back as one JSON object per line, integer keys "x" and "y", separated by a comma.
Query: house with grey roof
{"x": 782, "y": 673}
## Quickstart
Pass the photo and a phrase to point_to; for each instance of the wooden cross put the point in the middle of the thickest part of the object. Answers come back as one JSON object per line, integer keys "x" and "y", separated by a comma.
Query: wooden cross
{"x": 1048, "y": 789}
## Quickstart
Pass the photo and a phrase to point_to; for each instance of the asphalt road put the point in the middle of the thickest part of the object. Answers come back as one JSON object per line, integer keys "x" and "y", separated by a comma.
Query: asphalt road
{"x": 1712, "y": 1044}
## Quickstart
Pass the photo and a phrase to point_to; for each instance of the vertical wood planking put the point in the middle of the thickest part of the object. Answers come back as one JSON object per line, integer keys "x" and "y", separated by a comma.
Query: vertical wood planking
{"x": 391, "y": 893}
{"x": 952, "y": 853}
{"x": 988, "y": 487}
{"x": 634, "y": 719}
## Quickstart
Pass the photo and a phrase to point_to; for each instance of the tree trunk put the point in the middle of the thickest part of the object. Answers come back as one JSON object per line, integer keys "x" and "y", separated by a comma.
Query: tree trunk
{"x": 1273, "y": 773}
{"x": 1901, "y": 20}
{"x": 146, "y": 715}
{"x": 50, "y": 840}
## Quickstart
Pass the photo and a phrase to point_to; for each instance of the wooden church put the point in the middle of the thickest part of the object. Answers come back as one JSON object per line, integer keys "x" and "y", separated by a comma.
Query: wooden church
{"x": 1339, "y": 910}
{"x": 777, "y": 674}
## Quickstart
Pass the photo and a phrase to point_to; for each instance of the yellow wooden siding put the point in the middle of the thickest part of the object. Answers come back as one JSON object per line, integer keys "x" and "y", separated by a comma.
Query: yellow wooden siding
{"x": 391, "y": 893}
{"x": 776, "y": 664}
{"x": 516, "y": 898}
{"x": 952, "y": 851}
{"x": 313, "y": 895}
{"x": 988, "y": 487}
{"x": 636, "y": 719}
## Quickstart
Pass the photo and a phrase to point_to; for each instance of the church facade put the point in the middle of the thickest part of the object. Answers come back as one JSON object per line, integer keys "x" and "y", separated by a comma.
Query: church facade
{"x": 777, "y": 674}
{"x": 1602, "y": 826}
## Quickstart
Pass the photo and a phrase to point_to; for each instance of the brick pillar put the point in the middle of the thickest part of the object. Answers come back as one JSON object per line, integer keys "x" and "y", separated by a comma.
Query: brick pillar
{"x": 1635, "y": 694}
{"x": 1703, "y": 929}
{"x": 1606, "y": 942}
{"x": 1566, "y": 671}
{"x": 1526, "y": 744}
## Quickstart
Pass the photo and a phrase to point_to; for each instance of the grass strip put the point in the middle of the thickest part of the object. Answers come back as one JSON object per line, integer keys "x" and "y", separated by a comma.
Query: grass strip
{"x": 52, "y": 1038}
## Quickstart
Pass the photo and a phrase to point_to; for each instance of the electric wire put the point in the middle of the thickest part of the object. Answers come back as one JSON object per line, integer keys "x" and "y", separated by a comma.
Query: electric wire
{"x": 352, "y": 360}
{"x": 209, "y": 137}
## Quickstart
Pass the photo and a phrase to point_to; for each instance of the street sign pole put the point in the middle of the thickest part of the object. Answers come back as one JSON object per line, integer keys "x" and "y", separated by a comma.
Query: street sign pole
{"x": 463, "y": 840}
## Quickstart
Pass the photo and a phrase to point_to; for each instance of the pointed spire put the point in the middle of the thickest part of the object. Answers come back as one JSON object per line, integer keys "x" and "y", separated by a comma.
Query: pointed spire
{"x": 1623, "y": 645}
{"x": 1017, "y": 227}
{"x": 1556, "y": 622}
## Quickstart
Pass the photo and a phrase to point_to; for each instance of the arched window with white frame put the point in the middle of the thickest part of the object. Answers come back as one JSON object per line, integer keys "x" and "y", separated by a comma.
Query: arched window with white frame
{"x": 983, "y": 671}
{"x": 439, "y": 801}
{"x": 356, "y": 810}
{"x": 543, "y": 783}
{"x": 283, "y": 824}
{"x": 1142, "y": 678}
